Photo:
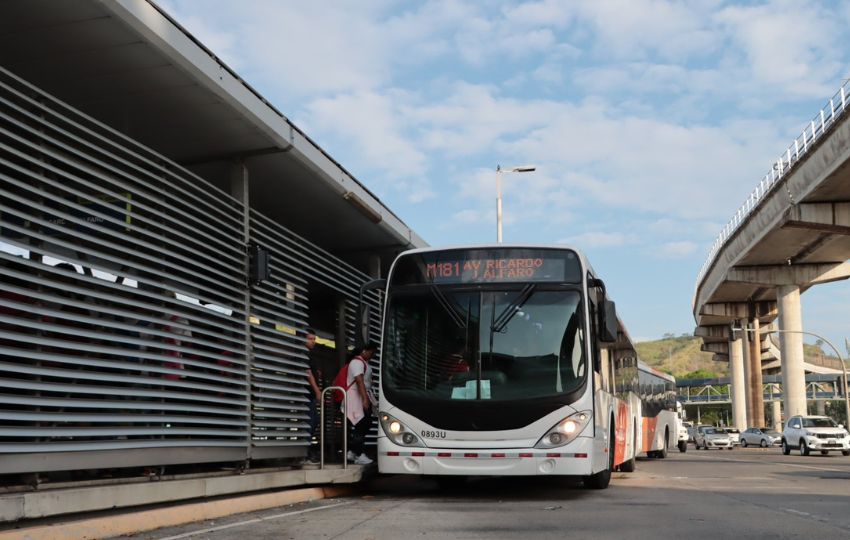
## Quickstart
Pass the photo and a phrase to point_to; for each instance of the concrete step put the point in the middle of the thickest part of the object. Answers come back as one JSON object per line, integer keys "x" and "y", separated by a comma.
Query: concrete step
{"x": 46, "y": 500}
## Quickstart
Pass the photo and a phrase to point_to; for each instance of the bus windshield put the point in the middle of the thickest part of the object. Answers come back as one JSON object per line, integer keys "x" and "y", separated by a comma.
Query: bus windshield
{"x": 450, "y": 344}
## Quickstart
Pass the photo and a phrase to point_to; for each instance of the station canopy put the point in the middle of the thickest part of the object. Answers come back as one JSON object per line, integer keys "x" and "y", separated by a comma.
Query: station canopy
{"x": 128, "y": 64}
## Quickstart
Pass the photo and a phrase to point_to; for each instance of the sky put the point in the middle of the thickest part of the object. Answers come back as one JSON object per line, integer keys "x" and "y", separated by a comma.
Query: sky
{"x": 649, "y": 121}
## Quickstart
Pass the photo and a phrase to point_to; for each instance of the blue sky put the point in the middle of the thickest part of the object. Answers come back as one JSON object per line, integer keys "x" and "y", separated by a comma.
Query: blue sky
{"x": 649, "y": 121}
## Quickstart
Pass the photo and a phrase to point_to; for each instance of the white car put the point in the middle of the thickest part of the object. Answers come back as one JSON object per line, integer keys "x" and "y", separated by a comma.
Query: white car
{"x": 734, "y": 434}
{"x": 760, "y": 437}
{"x": 712, "y": 437}
{"x": 814, "y": 433}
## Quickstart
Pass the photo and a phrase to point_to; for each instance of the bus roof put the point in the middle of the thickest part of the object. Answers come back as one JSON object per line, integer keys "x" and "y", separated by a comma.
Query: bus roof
{"x": 644, "y": 367}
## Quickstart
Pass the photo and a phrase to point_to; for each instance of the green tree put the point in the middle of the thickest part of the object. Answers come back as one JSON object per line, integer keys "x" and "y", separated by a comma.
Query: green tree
{"x": 700, "y": 374}
{"x": 710, "y": 417}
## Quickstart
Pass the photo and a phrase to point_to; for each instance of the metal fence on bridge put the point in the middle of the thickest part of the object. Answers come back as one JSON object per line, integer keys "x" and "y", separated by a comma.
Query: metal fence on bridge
{"x": 128, "y": 333}
{"x": 699, "y": 391}
{"x": 818, "y": 126}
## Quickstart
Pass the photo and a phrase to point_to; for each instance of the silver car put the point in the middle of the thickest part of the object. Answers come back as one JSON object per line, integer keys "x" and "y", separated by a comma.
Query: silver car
{"x": 734, "y": 434}
{"x": 760, "y": 437}
{"x": 711, "y": 437}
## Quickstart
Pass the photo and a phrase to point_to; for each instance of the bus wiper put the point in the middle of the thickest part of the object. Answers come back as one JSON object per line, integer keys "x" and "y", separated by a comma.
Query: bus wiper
{"x": 511, "y": 309}
{"x": 458, "y": 320}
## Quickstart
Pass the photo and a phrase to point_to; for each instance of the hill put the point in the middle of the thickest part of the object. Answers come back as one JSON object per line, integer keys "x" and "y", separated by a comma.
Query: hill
{"x": 681, "y": 357}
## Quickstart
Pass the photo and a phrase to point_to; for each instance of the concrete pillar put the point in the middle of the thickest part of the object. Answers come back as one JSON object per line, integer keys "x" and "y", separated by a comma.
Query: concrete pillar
{"x": 739, "y": 399}
{"x": 756, "y": 377}
{"x": 776, "y": 416}
{"x": 748, "y": 398}
{"x": 791, "y": 347}
{"x": 821, "y": 407}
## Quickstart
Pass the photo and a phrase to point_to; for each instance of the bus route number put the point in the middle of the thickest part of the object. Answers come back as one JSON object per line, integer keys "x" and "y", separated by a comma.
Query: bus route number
{"x": 433, "y": 434}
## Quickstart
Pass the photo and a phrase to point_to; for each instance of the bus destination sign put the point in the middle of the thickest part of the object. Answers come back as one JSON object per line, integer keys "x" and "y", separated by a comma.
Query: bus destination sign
{"x": 483, "y": 270}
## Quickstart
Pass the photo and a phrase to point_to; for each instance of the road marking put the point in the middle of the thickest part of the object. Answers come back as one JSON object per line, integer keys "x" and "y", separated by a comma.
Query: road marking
{"x": 775, "y": 463}
{"x": 806, "y": 514}
{"x": 255, "y": 520}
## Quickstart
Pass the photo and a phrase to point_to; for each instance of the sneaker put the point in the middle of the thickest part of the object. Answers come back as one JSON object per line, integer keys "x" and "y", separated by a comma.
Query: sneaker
{"x": 351, "y": 456}
{"x": 362, "y": 459}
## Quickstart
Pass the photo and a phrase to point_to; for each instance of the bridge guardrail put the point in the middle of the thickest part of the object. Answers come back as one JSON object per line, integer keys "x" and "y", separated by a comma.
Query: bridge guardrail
{"x": 837, "y": 105}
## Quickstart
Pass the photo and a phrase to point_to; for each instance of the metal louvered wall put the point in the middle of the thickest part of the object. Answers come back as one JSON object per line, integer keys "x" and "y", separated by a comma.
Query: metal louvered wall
{"x": 279, "y": 317}
{"x": 123, "y": 323}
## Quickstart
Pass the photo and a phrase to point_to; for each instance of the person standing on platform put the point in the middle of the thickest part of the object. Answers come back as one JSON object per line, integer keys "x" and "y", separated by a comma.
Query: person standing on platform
{"x": 360, "y": 402}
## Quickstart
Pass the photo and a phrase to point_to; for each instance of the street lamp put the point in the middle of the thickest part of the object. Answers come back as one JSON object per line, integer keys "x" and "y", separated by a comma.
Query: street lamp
{"x": 499, "y": 171}
{"x": 840, "y": 360}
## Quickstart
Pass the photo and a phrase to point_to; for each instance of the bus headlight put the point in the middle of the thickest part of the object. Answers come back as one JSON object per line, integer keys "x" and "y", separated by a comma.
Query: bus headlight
{"x": 397, "y": 432}
{"x": 564, "y": 431}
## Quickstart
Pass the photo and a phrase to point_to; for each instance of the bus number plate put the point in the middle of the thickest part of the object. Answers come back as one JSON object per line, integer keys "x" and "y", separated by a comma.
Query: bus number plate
{"x": 433, "y": 434}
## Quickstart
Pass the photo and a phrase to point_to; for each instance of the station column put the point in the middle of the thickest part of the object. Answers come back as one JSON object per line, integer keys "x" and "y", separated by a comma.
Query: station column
{"x": 736, "y": 365}
{"x": 756, "y": 390}
{"x": 791, "y": 347}
{"x": 745, "y": 356}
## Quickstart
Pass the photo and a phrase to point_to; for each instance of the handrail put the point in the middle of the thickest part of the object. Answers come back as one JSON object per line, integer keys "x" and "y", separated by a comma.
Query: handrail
{"x": 837, "y": 105}
{"x": 344, "y": 429}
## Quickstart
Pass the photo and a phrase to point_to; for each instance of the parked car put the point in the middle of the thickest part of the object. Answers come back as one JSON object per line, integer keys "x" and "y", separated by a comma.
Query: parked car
{"x": 711, "y": 437}
{"x": 734, "y": 434}
{"x": 760, "y": 437}
{"x": 814, "y": 433}
{"x": 683, "y": 436}
{"x": 692, "y": 431}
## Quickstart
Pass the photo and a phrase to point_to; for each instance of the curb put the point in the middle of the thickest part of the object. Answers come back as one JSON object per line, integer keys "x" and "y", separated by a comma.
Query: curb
{"x": 148, "y": 520}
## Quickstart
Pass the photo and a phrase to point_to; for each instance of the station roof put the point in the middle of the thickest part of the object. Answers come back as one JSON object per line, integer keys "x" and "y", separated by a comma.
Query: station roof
{"x": 128, "y": 64}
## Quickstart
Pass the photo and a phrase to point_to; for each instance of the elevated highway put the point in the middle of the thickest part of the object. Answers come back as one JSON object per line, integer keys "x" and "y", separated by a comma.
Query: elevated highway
{"x": 792, "y": 233}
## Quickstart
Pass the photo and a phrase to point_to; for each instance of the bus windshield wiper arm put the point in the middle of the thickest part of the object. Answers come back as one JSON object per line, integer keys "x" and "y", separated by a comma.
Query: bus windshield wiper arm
{"x": 458, "y": 320}
{"x": 510, "y": 310}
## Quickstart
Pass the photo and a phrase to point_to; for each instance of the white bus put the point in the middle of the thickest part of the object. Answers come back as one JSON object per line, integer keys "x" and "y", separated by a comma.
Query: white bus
{"x": 660, "y": 424}
{"x": 504, "y": 360}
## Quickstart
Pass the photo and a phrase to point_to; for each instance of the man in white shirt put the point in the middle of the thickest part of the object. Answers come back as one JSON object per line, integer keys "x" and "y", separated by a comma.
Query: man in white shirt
{"x": 360, "y": 402}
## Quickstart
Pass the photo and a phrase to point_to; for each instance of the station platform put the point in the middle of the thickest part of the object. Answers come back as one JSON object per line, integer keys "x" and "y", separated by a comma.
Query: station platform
{"x": 103, "y": 509}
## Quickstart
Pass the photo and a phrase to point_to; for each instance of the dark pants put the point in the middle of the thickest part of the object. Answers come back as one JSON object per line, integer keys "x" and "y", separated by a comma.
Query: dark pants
{"x": 357, "y": 434}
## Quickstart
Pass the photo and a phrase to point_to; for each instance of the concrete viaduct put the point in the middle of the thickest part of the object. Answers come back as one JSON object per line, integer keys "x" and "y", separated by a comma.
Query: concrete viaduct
{"x": 792, "y": 233}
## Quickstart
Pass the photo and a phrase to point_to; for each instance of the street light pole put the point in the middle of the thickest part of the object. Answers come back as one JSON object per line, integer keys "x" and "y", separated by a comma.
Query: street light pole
{"x": 499, "y": 171}
{"x": 498, "y": 204}
{"x": 840, "y": 360}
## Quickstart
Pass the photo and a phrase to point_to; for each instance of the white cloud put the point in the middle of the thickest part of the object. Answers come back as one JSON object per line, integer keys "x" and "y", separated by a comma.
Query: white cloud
{"x": 789, "y": 45}
{"x": 634, "y": 29}
{"x": 677, "y": 250}
{"x": 554, "y": 13}
{"x": 468, "y": 216}
{"x": 371, "y": 126}
{"x": 598, "y": 240}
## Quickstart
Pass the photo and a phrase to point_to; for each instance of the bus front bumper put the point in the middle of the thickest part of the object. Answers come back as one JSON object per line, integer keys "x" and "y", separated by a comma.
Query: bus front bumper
{"x": 574, "y": 459}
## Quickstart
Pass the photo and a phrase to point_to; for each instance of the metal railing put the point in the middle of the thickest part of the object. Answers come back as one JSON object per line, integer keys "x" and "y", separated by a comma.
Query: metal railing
{"x": 837, "y": 105}
{"x": 344, "y": 428}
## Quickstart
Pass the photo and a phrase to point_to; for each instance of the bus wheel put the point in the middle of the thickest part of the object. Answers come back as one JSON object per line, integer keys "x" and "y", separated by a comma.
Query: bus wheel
{"x": 663, "y": 452}
{"x": 601, "y": 479}
{"x": 683, "y": 446}
{"x": 629, "y": 466}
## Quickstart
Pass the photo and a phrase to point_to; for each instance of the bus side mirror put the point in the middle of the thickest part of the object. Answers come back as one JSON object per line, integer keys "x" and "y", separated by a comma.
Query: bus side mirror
{"x": 608, "y": 326}
{"x": 361, "y": 325}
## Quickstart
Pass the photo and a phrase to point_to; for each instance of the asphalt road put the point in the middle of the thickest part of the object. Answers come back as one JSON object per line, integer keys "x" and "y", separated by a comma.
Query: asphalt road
{"x": 744, "y": 493}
